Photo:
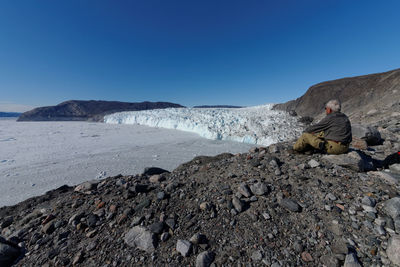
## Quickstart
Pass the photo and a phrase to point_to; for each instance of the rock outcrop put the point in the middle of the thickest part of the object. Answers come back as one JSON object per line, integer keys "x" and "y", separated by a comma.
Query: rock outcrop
{"x": 364, "y": 98}
{"x": 77, "y": 110}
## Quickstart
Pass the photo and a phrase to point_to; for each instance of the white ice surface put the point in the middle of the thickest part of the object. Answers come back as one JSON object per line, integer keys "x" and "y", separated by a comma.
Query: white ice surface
{"x": 39, "y": 156}
{"x": 253, "y": 125}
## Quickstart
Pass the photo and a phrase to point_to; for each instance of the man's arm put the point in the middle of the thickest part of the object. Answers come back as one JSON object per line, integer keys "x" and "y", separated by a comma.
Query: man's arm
{"x": 320, "y": 126}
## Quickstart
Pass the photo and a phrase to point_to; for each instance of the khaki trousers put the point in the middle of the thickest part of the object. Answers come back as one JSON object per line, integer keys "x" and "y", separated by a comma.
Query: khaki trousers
{"x": 307, "y": 140}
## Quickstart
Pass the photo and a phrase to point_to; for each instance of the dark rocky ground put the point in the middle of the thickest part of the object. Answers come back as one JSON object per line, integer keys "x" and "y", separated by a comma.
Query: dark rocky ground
{"x": 267, "y": 207}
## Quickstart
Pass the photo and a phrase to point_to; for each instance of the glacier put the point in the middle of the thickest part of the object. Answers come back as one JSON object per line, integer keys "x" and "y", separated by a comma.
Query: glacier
{"x": 253, "y": 125}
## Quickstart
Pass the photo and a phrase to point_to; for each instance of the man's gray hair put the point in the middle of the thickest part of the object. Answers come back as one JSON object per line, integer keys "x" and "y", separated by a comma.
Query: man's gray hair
{"x": 334, "y": 105}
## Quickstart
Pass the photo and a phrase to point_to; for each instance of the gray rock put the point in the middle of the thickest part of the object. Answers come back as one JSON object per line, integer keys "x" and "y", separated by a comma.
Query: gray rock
{"x": 368, "y": 201}
{"x": 7, "y": 222}
{"x": 237, "y": 204}
{"x": 259, "y": 189}
{"x": 153, "y": 171}
{"x": 48, "y": 228}
{"x": 385, "y": 177}
{"x": 395, "y": 168}
{"x": 141, "y": 238}
{"x": 86, "y": 186}
{"x": 313, "y": 163}
{"x": 8, "y": 254}
{"x": 351, "y": 261}
{"x": 156, "y": 227}
{"x": 184, "y": 247}
{"x": 353, "y": 160}
{"x": 393, "y": 250}
{"x": 198, "y": 239}
{"x": 160, "y": 195}
{"x": 204, "y": 259}
{"x": 368, "y": 133}
{"x": 290, "y": 205}
{"x": 256, "y": 255}
{"x": 244, "y": 190}
{"x": 392, "y": 207}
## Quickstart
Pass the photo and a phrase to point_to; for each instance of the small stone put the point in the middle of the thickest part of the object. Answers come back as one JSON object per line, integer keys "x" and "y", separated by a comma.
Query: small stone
{"x": 313, "y": 163}
{"x": 198, "y": 239}
{"x": 290, "y": 205}
{"x": 298, "y": 247}
{"x": 266, "y": 215}
{"x": 78, "y": 258}
{"x": 204, "y": 259}
{"x": 205, "y": 206}
{"x": 86, "y": 186}
{"x": 305, "y": 256}
{"x": 91, "y": 234}
{"x": 91, "y": 246}
{"x": 244, "y": 190}
{"x": 368, "y": 201}
{"x": 392, "y": 207}
{"x": 393, "y": 249}
{"x": 157, "y": 227}
{"x": 155, "y": 178}
{"x": 171, "y": 223}
{"x": 160, "y": 195}
{"x": 237, "y": 204}
{"x": 48, "y": 228}
{"x": 256, "y": 255}
{"x": 184, "y": 247}
{"x": 137, "y": 220}
{"x": 351, "y": 261}
{"x": 164, "y": 237}
{"x": 259, "y": 189}
{"x": 331, "y": 197}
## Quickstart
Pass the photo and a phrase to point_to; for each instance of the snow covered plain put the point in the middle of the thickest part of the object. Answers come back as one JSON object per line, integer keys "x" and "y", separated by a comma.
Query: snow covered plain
{"x": 39, "y": 156}
{"x": 254, "y": 125}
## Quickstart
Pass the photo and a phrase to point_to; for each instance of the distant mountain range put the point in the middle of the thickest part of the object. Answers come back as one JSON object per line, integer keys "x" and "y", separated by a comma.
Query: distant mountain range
{"x": 362, "y": 97}
{"x": 217, "y": 106}
{"x": 78, "y": 110}
{"x": 9, "y": 114}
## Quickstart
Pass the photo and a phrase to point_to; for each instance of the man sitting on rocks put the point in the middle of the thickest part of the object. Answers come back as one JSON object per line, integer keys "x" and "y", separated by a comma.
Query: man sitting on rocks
{"x": 331, "y": 135}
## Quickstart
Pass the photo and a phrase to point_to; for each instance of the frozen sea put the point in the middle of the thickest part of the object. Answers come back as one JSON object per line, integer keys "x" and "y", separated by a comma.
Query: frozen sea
{"x": 39, "y": 156}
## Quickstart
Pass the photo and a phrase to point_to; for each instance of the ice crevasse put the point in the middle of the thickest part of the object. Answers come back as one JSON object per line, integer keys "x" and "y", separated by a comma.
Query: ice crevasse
{"x": 254, "y": 125}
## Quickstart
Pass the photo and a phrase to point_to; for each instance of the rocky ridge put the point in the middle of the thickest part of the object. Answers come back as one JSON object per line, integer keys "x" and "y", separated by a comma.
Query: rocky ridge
{"x": 78, "y": 110}
{"x": 365, "y": 99}
{"x": 267, "y": 207}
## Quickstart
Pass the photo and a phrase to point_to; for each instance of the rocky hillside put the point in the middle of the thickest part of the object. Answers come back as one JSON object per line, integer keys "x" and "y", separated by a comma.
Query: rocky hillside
{"x": 267, "y": 207}
{"x": 76, "y": 110}
{"x": 367, "y": 98}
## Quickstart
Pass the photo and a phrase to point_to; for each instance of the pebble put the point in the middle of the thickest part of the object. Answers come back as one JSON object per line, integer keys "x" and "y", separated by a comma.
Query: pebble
{"x": 313, "y": 163}
{"x": 290, "y": 205}
{"x": 259, "y": 189}
{"x": 205, "y": 259}
{"x": 244, "y": 190}
{"x": 184, "y": 247}
{"x": 237, "y": 204}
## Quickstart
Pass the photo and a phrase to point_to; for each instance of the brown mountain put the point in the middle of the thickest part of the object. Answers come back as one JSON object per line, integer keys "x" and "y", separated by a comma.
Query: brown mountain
{"x": 78, "y": 110}
{"x": 362, "y": 96}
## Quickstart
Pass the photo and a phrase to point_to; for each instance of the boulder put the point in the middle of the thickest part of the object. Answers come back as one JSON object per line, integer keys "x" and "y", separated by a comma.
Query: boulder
{"x": 368, "y": 133}
{"x": 141, "y": 238}
{"x": 392, "y": 207}
{"x": 354, "y": 160}
{"x": 204, "y": 259}
{"x": 153, "y": 171}
{"x": 8, "y": 254}
{"x": 393, "y": 250}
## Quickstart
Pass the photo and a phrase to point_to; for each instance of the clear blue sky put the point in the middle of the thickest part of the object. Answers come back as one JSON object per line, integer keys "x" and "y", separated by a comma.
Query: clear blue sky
{"x": 189, "y": 52}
